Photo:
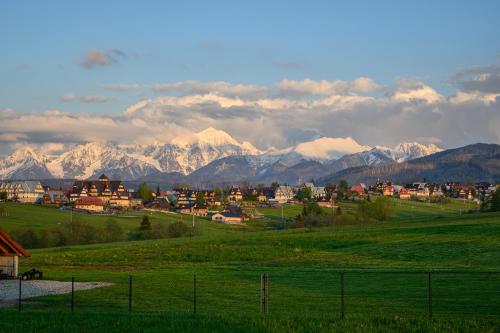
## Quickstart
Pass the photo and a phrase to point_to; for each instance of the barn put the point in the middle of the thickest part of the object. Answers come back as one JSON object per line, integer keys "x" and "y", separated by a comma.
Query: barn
{"x": 10, "y": 252}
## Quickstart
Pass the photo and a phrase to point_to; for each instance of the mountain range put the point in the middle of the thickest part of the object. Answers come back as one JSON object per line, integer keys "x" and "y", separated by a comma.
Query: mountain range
{"x": 472, "y": 163}
{"x": 209, "y": 156}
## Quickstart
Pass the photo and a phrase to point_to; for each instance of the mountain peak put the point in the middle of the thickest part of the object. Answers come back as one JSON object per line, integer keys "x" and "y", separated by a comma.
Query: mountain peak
{"x": 330, "y": 148}
{"x": 209, "y": 136}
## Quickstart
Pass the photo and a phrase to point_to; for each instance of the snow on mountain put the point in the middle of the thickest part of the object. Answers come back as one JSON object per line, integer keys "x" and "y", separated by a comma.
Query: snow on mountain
{"x": 184, "y": 154}
{"x": 191, "y": 152}
{"x": 24, "y": 163}
{"x": 322, "y": 150}
{"x": 87, "y": 160}
{"x": 406, "y": 151}
{"x": 329, "y": 148}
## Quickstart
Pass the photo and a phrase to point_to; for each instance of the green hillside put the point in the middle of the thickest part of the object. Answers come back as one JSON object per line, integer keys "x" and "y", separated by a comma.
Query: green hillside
{"x": 386, "y": 269}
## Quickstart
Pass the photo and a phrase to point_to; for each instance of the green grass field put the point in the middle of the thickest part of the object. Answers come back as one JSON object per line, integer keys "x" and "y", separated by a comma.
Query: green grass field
{"x": 385, "y": 265}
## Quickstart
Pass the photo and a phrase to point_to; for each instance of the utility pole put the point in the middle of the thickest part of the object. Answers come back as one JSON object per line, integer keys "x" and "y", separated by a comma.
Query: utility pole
{"x": 282, "y": 218}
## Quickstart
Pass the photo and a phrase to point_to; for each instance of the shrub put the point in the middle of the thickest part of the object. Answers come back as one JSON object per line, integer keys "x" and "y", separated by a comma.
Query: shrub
{"x": 381, "y": 209}
{"x": 177, "y": 229}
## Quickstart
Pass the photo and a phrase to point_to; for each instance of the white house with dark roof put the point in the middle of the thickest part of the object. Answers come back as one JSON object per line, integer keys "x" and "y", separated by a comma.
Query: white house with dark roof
{"x": 29, "y": 191}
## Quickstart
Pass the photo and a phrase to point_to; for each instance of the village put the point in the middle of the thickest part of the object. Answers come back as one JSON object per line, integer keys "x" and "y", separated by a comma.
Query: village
{"x": 228, "y": 205}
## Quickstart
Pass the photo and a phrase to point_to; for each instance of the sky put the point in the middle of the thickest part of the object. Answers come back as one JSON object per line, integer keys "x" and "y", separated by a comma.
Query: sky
{"x": 274, "y": 73}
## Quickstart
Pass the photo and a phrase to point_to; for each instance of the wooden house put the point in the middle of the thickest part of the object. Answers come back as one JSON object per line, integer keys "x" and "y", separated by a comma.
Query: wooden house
{"x": 90, "y": 204}
{"x": 10, "y": 251}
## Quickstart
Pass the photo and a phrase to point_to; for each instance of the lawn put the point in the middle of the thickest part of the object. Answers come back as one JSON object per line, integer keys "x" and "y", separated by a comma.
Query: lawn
{"x": 385, "y": 268}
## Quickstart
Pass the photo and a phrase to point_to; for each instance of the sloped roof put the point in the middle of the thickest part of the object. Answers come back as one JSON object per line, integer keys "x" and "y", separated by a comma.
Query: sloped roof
{"x": 9, "y": 247}
{"x": 89, "y": 201}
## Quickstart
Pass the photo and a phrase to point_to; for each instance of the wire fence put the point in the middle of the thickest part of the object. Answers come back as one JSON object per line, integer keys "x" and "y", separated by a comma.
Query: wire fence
{"x": 308, "y": 293}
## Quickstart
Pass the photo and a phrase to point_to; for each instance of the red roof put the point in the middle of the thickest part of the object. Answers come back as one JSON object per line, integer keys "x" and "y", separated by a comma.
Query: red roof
{"x": 8, "y": 246}
{"x": 89, "y": 201}
{"x": 358, "y": 188}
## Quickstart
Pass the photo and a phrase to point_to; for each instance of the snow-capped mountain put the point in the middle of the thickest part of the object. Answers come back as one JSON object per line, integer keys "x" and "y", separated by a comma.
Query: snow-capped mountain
{"x": 189, "y": 153}
{"x": 183, "y": 154}
{"x": 406, "y": 151}
{"x": 87, "y": 160}
{"x": 24, "y": 163}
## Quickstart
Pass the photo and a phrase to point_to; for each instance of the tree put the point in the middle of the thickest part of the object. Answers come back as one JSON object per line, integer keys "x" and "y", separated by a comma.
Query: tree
{"x": 343, "y": 187}
{"x": 274, "y": 186}
{"x": 493, "y": 202}
{"x": 113, "y": 231}
{"x": 363, "y": 213}
{"x": 145, "y": 224}
{"x": 200, "y": 198}
{"x": 381, "y": 209}
{"x": 177, "y": 229}
{"x": 3, "y": 196}
{"x": 304, "y": 194}
{"x": 145, "y": 193}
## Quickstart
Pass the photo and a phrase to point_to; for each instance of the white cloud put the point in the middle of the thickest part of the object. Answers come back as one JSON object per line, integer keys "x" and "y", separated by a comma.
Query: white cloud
{"x": 412, "y": 90}
{"x": 276, "y": 115}
{"x": 72, "y": 97}
{"x": 121, "y": 86}
{"x": 328, "y": 88}
{"x": 217, "y": 87}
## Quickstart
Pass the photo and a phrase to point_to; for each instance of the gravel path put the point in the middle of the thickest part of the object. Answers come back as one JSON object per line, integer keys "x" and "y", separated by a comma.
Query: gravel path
{"x": 9, "y": 289}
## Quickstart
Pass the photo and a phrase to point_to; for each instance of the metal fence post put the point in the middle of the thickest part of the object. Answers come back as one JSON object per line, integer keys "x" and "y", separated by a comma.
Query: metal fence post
{"x": 430, "y": 295}
{"x": 72, "y": 293}
{"x": 264, "y": 293}
{"x": 20, "y": 291}
{"x": 194, "y": 295}
{"x": 130, "y": 294}
{"x": 342, "y": 306}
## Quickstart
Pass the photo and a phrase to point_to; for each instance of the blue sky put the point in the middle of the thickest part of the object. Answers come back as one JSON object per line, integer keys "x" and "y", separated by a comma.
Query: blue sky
{"x": 253, "y": 42}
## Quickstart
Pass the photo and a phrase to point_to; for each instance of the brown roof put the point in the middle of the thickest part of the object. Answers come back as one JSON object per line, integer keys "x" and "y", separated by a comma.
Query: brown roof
{"x": 8, "y": 246}
{"x": 89, "y": 201}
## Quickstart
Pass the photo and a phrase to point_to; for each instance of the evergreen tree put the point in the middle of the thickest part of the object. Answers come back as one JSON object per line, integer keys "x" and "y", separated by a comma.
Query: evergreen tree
{"x": 145, "y": 193}
{"x": 145, "y": 224}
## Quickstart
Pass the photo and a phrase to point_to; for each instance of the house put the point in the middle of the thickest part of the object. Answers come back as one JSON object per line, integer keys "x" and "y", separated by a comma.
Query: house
{"x": 30, "y": 191}
{"x": 10, "y": 251}
{"x": 284, "y": 194}
{"x": 388, "y": 190}
{"x": 235, "y": 195}
{"x": 104, "y": 189}
{"x": 228, "y": 217}
{"x": 200, "y": 210}
{"x": 358, "y": 188}
{"x": 317, "y": 192}
{"x": 404, "y": 194}
{"x": 90, "y": 204}
{"x": 54, "y": 198}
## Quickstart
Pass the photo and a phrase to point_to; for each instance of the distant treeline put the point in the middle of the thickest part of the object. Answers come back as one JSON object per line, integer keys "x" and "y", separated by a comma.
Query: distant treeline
{"x": 77, "y": 232}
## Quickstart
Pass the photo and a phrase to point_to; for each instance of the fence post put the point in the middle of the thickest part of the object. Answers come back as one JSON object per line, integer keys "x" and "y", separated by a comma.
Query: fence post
{"x": 342, "y": 306}
{"x": 72, "y": 293}
{"x": 430, "y": 295}
{"x": 194, "y": 295}
{"x": 20, "y": 291}
{"x": 264, "y": 293}
{"x": 130, "y": 294}
{"x": 267, "y": 293}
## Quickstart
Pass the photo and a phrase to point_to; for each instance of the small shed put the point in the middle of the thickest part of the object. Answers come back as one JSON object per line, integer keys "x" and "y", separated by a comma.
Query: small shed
{"x": 10, "y": 251}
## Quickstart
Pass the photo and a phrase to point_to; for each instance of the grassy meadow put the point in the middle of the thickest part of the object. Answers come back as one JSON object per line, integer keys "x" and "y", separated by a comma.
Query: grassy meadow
{"x": 385, "y": 264}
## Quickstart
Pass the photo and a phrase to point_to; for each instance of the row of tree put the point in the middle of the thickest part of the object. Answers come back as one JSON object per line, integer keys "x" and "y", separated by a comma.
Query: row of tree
{"x": 312, "y": 215}
{"x": 77, "y": 232}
